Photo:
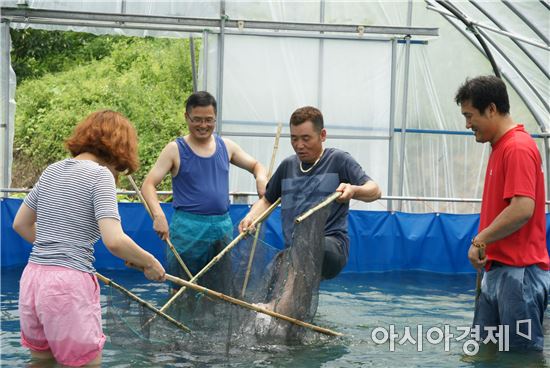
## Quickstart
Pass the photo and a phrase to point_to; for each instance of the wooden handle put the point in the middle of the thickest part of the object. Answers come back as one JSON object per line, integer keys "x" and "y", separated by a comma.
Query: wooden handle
{"x": 253, "y": 307}
{"x": 170, "y": 245}
{"x": 221, "y": 254}
{"x": 144, "y": 303}
{"x": 324, "y": 203}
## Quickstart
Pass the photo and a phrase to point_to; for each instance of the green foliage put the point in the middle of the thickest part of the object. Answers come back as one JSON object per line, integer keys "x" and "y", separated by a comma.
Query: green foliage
{"x": 145, "y": 79}
{"x": 127, "y": 198}
{"x": 37, "y": 52}
{"x": 17, "y": 195}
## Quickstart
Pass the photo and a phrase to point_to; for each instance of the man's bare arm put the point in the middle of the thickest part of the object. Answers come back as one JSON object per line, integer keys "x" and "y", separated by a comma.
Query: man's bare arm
{"x": 245, "y": 161}
{"x": 368, "y": 192}
{"x": 165, "y": 163}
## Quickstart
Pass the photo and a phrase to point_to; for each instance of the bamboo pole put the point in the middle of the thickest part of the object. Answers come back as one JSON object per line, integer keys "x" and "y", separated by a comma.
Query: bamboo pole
{"x": 258, "y": 229}
{"x": 312, "y": 210}
{"x": 479, "y": 275}
{"x": 144, "y": 303}
{"x": 253, "y": 307}
{"x": 218, "y": 257}
{"x": 170, "y": 245}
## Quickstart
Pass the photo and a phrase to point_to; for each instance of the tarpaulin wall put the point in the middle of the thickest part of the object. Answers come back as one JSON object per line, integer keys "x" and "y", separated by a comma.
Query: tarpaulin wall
{"x": 380, "y": 240}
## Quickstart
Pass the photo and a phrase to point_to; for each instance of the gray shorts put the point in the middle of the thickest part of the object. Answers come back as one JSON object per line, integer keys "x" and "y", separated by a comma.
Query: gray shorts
{"x": 335, "y": 258}
{"x": 517, "y": 297}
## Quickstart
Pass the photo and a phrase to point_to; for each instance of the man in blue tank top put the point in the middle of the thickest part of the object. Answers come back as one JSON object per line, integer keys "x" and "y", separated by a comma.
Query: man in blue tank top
{"x": 304, "y": 179}
{"x": 199, "y": 165}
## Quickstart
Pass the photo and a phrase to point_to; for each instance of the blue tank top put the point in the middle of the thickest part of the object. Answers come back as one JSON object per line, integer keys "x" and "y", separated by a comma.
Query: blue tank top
{"x": 201, "y": 185}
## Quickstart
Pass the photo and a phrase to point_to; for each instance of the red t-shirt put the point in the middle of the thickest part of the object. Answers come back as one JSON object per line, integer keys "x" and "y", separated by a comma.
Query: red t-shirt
{"x": 515, "y": 169}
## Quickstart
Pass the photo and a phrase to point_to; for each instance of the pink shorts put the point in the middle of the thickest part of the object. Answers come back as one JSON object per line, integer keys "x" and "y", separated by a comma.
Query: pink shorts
{"x": 60, "y": 311}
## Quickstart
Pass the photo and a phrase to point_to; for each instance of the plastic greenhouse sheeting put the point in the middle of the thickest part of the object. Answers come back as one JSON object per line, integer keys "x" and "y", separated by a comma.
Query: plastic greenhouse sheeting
{"x": 261, "y": 78}
{"x": 380, "y": 240}
{"x": 265, "y": 78}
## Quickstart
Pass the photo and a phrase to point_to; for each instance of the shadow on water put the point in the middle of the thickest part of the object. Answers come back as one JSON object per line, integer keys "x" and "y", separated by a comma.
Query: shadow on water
{"x": 352, "y": 304}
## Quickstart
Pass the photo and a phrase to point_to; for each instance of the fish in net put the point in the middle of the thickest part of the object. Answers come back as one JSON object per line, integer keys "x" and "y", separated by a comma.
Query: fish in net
{"x": 284, "y": 281}
{"x": 291, "y": 285}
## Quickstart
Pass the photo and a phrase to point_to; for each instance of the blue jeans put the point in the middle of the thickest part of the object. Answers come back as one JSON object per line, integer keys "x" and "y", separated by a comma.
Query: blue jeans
{"x": 512, "y": 294}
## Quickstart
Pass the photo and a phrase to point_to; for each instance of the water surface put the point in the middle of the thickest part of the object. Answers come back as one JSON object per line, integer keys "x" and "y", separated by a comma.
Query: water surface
{"x": 355, "y": 305}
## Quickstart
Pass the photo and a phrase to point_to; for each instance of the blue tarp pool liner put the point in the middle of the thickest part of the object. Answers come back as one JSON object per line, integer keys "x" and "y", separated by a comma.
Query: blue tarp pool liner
{"x": 379, "y": 240}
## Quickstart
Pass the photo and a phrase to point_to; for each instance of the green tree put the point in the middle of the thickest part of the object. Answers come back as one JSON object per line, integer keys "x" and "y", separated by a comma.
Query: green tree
{"x": 146, "y": 79}
{"x": 38, "y": 52}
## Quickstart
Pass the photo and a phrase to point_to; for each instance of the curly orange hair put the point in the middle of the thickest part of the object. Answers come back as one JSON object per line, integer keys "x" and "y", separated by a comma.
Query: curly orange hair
{"x": 110, "y": 136}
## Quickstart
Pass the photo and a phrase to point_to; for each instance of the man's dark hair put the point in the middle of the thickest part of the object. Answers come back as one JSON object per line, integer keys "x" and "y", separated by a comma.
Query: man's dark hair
{"x": 201, "y": 98}
{"x": 482, "y": 91}
{"x": 308, "y": 113}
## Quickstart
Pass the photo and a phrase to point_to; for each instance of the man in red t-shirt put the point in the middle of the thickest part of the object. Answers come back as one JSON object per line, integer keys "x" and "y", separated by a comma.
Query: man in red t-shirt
{"x": 512, "y": 227}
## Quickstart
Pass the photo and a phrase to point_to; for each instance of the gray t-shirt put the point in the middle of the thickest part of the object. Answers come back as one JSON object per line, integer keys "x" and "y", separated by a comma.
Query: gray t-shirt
{"x": 69, "y": 199}
{"x": 300, "y": 191}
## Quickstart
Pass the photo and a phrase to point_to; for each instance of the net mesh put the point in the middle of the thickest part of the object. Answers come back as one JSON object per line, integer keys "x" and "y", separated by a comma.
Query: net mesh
{"x": 286, "y": 282}
{"x": 127, "y": 322}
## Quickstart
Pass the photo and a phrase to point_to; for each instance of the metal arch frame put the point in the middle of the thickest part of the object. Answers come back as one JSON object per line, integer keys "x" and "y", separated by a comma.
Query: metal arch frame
{"x": 457, "y": 13}
{"x": 221, "y": 26}
{"x": 523, "y": 17}
{"x": 204, "y": 60}
{"x": 523, "y": 77}
{"x": 392, "y": 120}
{"x": 175, "y": 24}
{"x": 320, "y": 59}
{"x": 5, "y": 62}
{"x": 447, "y": 15}
{"x": 521, "y": 47}
{"x": 404, "y": 109}
{"x": 193, "y": 62}
{"x": 524, "y": 98}
{"x": 221, "y": 58}
{"x": 171, "y": 23}
{"x": 496, "y": 30}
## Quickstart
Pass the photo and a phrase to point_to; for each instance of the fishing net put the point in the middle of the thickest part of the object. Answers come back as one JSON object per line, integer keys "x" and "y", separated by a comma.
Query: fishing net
{"x": 284, "y": 281}
{"x": 131, "y": 324}
{"x": 290, "y": 285}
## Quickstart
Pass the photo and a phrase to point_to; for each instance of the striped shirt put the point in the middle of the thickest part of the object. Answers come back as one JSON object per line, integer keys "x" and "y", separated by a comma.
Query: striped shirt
{"x": 69, "y": 199}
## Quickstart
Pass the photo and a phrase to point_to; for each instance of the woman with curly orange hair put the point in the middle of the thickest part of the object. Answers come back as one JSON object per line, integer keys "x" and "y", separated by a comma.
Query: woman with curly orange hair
{"x": 71, "y": 206}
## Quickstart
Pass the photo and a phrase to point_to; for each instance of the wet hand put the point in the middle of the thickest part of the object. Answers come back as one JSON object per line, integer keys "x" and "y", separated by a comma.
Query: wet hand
{"x": 160, "y": 225}
{"x": 246, "y": 224}
{"x": 474, "y": 256}
{"x": 155, "y": 271}
{"x": 347, "y": 190}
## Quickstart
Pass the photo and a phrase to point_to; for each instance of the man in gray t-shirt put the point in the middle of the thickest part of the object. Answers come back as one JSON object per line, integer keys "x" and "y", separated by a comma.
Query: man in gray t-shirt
{"x": 304, "y": 179}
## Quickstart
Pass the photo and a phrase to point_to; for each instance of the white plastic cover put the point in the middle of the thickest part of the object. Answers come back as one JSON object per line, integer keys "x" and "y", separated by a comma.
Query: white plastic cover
{"x": 265, "y": 78}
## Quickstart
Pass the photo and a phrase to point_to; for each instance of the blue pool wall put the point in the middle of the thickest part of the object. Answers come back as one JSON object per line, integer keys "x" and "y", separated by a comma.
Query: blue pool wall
{"x": 379, "y": 240}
